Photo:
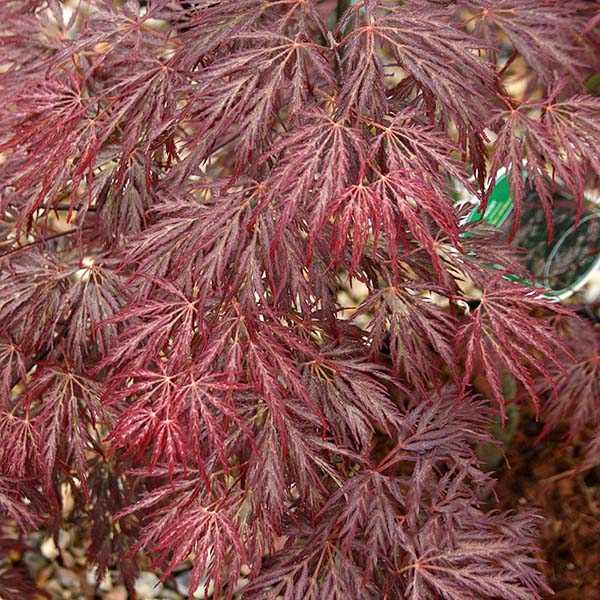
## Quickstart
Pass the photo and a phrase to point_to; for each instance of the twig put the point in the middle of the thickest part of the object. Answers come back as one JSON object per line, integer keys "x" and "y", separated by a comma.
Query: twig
{"x": 568, "y": 473}
{"x": 42, "y": 241}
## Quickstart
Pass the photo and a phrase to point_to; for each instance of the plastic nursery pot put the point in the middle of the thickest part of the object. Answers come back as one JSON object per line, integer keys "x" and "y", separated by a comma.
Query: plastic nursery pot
{"x": 573, "y": 255}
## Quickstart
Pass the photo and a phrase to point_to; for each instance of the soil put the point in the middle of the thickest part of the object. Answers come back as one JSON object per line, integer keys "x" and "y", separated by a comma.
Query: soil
{"x": 547, "y": 475}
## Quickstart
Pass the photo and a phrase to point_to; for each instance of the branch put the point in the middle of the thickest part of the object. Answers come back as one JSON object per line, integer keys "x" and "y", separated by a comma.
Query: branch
{"x": 42, "y": 241}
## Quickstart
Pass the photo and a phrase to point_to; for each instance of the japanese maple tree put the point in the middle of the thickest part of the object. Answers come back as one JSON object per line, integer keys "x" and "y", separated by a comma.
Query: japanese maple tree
{"x": 185, "y": 188}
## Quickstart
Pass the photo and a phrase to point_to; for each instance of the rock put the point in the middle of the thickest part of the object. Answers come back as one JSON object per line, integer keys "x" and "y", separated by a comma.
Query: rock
{"x": 106, "y": 585}
{"x": 167, "y": 594}
{"x": 148, "y": 586}
{"x": 48, "y": 549}
{"x": 68, "y": 579}
{"x": 68, "y": 560}
{"x": 35, "y": 562}
{"x": 44, "y": 576}
{"x": 118, "y": 593}
{"x": 79, "y": 553}
{"x": 64, "y": 539}
{"x": 245, "y": 569}
{"x": 68, "y": 501}
{"x": 183, "y": 586}
{"x": 55, "y": 590}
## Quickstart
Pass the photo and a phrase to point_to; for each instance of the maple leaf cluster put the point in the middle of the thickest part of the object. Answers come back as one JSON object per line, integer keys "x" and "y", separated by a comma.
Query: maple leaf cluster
{"x": 185, "y": 186}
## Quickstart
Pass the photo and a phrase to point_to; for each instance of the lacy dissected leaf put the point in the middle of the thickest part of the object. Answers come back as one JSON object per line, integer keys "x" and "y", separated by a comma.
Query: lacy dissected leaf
{"x": 417, "y": 333}
{"x": 564, "y": 139}
{"x": 290, "y": 419}
{"x": 577, "y": 393}
{"x": 22, "y": 447}
{"x": 204, "y": 239}
{"x": 69, "y": 117}
{"x": 416, "y": 202}
{"x": 268, "y": 478}
{"x": 29, "y": 38}
{"x": 66, "y": 411}
{"x": 545, "y": 34}
{"x": 12, "y": 367}
{"x": 317, "y": 159}
{"x": 407, "y": 142}
{"x": 351, "y": 395}
{"x": 271, "y": 363}
{"x": 121, "y": 212}
{"x": 175, "y": 417}
{"x": 222, "y": 23}
{"x": 222, "y": 256}
{"x": 363, "y": 89}
{"x": 314, "y": 570}
{"x": 164, "y": 323}
{"x": 219, "y": 24}
{"x": 240, "y": 252}
{"x": 574, "y": 124}
{"x": 315, "y": 461}
{"x": 286, "y": 479}
{"x": 441, "y": 58}
{"x": 431, "y": 470}
{"x": 32, "y": 286}
{"x": 111, "y": 491}
{"x": 190, "y": 522}
{"x": 215, "y": 539}
{"x": 213, "y": 408}
{"x": 96, "y": 297}
{"x": 392, "y": 203}
{"x": 290, "y": 424}
{"x": 242, "y": 92}
{"x": 370, "y": 525}
{"x": 12, "y": 504}
{"x": 272, "y": 269}
{"x": 438, "y": 430}
{"x": 152, "y": 421}
{"x": 56, "y": 121}
{"x": 118, "y": 30}
{"x": 369, "y": 521}
{"x": 501, "y": 333}
{"x": 144, "y": 105}
{"x": 483, "y": 246}
{"x": 486, "y": 556}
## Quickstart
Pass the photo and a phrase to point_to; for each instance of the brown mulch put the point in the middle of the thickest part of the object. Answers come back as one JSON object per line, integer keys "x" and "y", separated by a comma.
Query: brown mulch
{"x": 545, "y": 475}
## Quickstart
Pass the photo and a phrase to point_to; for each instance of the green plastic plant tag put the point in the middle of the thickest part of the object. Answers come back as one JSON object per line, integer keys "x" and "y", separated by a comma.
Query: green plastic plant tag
{"x": 566, "y": 263}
